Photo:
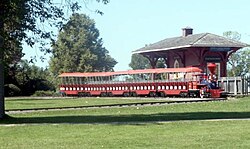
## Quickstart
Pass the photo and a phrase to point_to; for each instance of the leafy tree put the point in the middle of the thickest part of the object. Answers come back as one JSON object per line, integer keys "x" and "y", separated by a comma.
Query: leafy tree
{"x": 239, "y": 62}
{"x": 160, "y": 63}
{"x": 79, "y": 48}
{"x": 27, "y": 20}
{"x": 140, "y": 62}
{"x": 28, "y": 78}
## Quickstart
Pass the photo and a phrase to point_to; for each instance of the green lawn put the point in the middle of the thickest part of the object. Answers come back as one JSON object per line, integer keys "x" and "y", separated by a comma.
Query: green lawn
{"x": 168, "y": 126}
{"x": 66, "y": 102}
{"x": 193, "y": 134}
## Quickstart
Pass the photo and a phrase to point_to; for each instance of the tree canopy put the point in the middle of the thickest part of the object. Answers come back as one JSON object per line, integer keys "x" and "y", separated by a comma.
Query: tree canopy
{"x": 238, "y": 62}
{"x": 28, "y": 21}
{"x": 79, "y": 48}
{"x": 138, "y": 61}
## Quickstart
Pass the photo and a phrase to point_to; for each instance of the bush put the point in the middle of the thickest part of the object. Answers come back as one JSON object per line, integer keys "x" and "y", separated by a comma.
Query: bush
{"x": 11, "y": 90}
{"x": 45, "y": 93}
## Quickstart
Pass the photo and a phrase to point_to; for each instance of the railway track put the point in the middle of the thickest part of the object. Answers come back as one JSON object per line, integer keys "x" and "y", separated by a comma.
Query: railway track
{"x": 155, "y": 103}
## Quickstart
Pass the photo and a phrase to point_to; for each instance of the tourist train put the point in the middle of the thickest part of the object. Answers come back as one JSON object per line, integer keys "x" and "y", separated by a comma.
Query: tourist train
{"x": 159, "y": 82}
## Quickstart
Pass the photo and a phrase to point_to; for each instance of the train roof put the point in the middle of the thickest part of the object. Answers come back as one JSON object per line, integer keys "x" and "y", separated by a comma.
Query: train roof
{"x": 130, "y": 72}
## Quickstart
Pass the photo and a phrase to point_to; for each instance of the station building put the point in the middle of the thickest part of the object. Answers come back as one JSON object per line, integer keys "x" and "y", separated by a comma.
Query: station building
{"x": 192, "y": 50}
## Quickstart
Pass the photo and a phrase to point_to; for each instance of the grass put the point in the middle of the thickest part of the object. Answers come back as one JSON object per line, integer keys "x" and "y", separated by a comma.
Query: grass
{"x": 65, "y": 102}
{"x": 92, "y": 128}
{"x": 196, "y": 134}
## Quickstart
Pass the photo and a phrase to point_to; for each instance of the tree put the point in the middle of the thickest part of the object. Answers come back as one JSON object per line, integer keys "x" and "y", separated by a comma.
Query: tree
{"x": 26, "y": 20}
{"x": 79, "y": 48}
{"x": 239, "y": 62}
{"x": 140, "y": 62}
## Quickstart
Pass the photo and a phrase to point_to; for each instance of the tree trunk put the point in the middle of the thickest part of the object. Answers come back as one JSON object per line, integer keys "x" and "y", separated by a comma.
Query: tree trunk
{"x": 2, "y": 109}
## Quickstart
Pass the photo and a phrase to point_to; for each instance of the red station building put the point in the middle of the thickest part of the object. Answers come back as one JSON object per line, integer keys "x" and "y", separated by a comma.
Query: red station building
{"x": 192, "y": 50}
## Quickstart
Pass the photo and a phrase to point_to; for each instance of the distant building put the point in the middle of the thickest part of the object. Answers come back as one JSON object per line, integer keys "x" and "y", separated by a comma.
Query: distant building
{"x": 192, "y": 50}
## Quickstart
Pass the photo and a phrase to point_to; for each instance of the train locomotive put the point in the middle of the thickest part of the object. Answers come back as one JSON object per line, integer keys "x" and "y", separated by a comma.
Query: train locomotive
{"x": 162, "y": 82}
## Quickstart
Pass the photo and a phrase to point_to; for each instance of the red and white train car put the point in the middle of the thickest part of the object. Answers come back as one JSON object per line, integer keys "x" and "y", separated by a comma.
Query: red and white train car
{"x": 185, "y": 82}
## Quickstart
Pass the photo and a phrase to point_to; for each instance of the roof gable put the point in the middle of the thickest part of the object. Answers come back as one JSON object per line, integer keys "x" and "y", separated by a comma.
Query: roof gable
{"x": 195, "y": 40}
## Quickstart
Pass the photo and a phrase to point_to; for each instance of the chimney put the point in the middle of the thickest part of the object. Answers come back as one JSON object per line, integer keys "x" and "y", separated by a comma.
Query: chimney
{"x": 187, "y": 31}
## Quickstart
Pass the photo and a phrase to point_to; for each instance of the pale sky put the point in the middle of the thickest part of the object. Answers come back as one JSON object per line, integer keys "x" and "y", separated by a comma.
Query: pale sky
{"x": 128, "y": 25}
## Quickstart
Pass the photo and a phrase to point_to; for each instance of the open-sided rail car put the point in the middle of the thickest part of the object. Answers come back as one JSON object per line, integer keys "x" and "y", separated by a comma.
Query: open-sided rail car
{"x": 185, "y": 82}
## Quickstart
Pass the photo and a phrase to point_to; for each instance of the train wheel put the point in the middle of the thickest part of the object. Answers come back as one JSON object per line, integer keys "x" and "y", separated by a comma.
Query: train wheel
{"x": 88, "y": 94}
{"x": 151, "y": 94}
{"x": 110, "y": 94}
{"x": 133, "y": 94}
{"x": 183, "y": 94}
{"x": 162, "y": 94}
{"x": 103, "y": 94}
{"x": 125, "y": 94}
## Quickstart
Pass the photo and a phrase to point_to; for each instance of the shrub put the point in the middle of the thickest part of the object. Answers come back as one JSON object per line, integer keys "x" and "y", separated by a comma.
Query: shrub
{"x": 45, "y": 93}
{"x": 12, "y": 90}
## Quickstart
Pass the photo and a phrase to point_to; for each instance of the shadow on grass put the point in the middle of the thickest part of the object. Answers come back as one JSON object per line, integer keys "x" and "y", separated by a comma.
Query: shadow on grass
{"x": 127, "y": 118}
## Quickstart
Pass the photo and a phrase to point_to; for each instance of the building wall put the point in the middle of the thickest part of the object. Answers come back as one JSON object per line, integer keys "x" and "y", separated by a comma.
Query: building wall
{"x": 198, "y": 57}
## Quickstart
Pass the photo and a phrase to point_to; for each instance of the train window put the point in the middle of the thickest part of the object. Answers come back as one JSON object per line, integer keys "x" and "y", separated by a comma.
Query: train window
{"x": 141, "y": 87}
{"x": 81, "y": 88}
{"x": 108, "y": 88}
{"x": 117, "y": 88}
{"x": 145, "y": 87}
{"x": 179, "y": 87}
{"x": 167, "y": 87}
{"x": 153, "y": 87}
{"x": 77, "y": 88}
{"x": 175, "y": 87}
{"x": 159, "y": 87}
{"x": 134, "y": 87}
{"x": 120, "y": 88}
{"x": 148, "y": 87}
{"x": 131, "y": 87}
{"x": 114, "y": 88}
{"x": 171, "y": 87}
{"x": 184, "y": 87}
{"x": 126, "y": 88}
{"x": 163, "y": 87}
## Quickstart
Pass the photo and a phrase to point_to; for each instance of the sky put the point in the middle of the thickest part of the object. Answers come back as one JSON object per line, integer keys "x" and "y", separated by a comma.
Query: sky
{"x": 128, "y": 25}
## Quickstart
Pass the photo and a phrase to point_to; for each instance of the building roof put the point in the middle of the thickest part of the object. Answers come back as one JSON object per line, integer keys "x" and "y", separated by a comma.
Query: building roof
{"x": 193, "y": 40}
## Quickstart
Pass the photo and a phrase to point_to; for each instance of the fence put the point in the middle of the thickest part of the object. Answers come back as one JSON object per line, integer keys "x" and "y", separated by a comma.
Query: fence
{"x": 235, "y": 85}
